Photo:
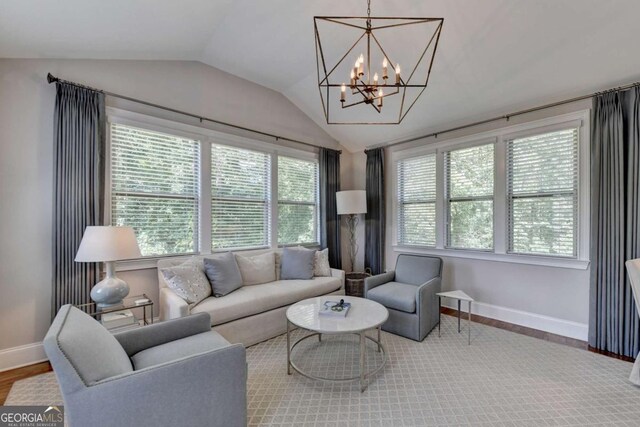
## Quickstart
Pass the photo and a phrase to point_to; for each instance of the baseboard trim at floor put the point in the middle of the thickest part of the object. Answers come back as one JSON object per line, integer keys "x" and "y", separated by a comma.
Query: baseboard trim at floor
{"x": 17, "y": 357}
{"x": 565, "y": 328}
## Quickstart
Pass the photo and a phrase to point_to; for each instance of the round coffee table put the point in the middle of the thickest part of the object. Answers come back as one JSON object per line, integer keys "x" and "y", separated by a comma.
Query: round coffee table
{"x": 363, "y": 315}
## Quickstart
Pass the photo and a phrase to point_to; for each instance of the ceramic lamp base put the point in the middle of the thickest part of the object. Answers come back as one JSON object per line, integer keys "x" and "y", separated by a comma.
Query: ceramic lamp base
{"x": 110, "y": 291}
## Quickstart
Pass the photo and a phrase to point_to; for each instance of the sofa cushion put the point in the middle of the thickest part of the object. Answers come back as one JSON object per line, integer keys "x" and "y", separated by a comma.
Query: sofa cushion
{"x": 188, "y": 281}
{"x": 174, "y": 350}
{"x": 398, "y": 296}
{"x": 296, "y": 263}
{"x": 250, "y": 300}
{"x": 90, "y": 348}
{"x": 257, "y": 269}
{"x": 321, "y": 267}
{"x": 223, "y": 273}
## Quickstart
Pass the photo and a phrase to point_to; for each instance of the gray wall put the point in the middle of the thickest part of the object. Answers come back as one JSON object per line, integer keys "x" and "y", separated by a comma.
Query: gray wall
{"x": 26, "y": 126}
{"x": 559, "y": 293}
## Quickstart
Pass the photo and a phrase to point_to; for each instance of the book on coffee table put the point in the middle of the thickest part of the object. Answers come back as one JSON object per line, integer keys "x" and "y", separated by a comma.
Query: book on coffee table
{"x": 335, "y": 308}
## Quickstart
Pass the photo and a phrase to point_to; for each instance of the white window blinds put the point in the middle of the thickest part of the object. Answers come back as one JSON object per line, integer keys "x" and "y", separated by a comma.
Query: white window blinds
{"x": 542, "y": 193}
{"x": 154, "y": 189}
{"x": 298, "y": 201}
{"x": 240, "y": 183}
{"x": 469, "y": 196}
{"x": 417, "y": 201}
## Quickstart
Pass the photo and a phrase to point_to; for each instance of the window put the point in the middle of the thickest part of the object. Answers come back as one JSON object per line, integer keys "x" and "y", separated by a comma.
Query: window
{"x": 469, "y": 196}
{"x": 190, "y": 190}
{"x": 416, "y": 181}
{"x": 297, "y": 201}
{"x": 240, "y": 211}
{"x": 516, "y": 194}
{"x": 542, "y": 193}
{"x": 154, "y": 189}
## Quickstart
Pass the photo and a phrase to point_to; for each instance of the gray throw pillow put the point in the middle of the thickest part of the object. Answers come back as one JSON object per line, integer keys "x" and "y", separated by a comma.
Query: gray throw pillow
{"x": 297, "y": 263}
{"x": 223, "y": 274}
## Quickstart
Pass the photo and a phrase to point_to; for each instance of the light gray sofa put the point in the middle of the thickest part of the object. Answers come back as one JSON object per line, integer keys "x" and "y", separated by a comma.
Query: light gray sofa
{"x": 167, "y": 374}
{"x": 409, "y": 293}
{"x": 251, "y": 314}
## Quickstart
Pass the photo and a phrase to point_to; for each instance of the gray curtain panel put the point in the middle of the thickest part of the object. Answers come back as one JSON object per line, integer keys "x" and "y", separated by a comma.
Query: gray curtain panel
{"x": 615, "y": 229}
{"x": 78, "y": 193}
{"x": 329, "y": 220}
{"x": 375, "y": 217}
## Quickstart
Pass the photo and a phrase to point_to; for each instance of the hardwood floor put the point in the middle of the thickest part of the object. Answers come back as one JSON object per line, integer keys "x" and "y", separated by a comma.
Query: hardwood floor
{"x": 7, "y": 378}
{"x": 519, "y": 329}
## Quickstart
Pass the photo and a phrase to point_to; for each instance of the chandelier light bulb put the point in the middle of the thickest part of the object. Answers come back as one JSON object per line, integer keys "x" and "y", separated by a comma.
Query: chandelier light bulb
{"x": 397, "y": 74}
{"x": 385, "y": 63}
{"x": 343, "y": 91}
{"x": 380, "y": 96}
{"x": 375, "y": 79}
{"x": 385, "y": 74}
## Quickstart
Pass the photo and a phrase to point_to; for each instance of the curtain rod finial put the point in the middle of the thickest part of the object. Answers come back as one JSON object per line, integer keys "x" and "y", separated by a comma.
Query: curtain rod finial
{"x": 50, "y": 78}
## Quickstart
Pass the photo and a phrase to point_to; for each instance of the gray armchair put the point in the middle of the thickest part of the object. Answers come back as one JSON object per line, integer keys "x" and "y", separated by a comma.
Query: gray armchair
{"x": 409, "y": 293}
{"x": 177, "y": 372}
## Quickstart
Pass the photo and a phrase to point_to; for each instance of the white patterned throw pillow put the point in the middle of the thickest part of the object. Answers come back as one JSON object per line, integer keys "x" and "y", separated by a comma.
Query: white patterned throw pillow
{"x": 188, "y": 281}
{"x": 321, "y": 267}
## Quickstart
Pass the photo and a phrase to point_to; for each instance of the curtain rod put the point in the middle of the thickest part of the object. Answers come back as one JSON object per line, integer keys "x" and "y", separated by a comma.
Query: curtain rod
{"x": 507, "y": 116}
{"x": 53, "y": 79}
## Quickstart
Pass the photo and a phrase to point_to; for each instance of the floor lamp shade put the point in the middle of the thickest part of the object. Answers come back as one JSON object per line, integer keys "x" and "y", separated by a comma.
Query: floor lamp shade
{"x": 351, "y": 202}
{"x": 108, "y": 244}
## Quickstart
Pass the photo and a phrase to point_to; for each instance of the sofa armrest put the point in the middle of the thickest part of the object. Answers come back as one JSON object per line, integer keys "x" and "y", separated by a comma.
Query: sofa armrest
{"x": 205, "y": 389}
{"x": 377, "y": 280}
{"x": 171, "y": 305}
{"x": 339, "y": 274}
{"x": 136, "y": 340}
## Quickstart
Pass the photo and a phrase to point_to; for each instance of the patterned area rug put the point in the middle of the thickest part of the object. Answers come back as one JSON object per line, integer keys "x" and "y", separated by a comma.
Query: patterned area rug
{"x": 502, "y": 379}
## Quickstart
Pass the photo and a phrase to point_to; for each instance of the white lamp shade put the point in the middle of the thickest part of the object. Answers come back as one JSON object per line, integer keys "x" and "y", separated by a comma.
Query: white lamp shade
{"x": 107, "y": 243}
{"x": 351, "y": 202}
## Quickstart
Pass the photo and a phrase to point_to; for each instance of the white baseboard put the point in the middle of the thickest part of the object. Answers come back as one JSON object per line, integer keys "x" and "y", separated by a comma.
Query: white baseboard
{"x": 23, "y": 355}
{"x": 566, "y": 328}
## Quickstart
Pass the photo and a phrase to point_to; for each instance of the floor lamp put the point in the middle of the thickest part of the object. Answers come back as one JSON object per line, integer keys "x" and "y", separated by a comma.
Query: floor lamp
{"x": 352, "y": 203}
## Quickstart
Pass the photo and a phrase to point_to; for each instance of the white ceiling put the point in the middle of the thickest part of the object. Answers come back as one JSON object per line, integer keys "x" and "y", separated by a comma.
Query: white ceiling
{"x": 494, "y": 55}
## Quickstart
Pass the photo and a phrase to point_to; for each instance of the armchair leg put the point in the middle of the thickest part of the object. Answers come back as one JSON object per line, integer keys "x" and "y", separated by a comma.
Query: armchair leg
{"x": 439, "y": 313}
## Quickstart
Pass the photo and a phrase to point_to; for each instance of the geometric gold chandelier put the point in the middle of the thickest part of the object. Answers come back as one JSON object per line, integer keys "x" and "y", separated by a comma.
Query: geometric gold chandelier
{"x": 367, "y": 76}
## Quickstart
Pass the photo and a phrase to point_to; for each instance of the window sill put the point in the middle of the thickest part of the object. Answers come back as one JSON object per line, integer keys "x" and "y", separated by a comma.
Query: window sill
{"x": 152, "y": 262}
{"x": 147, "y": 263}
{"x": 575, "y": 264}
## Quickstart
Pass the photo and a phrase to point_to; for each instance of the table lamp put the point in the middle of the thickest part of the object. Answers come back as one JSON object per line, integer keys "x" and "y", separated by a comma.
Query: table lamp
{"x": 108, "y": 244}
{"x": 352, "y": 203}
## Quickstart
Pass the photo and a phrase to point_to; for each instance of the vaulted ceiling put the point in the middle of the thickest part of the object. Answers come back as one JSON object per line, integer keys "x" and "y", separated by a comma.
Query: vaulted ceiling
{"x": 494, "y": 55}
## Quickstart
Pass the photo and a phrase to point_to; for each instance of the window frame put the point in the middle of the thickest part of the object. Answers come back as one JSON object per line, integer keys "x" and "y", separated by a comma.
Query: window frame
{"x": 266, "y": 203}
{"x": 508, "y": 138}
{"x": 579, "y": 119}
{"x": 206, "y": 138}
{"x": 400, "y": 204}
{"x": 315, "y": 204}
{"x": 448, "y": 199}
